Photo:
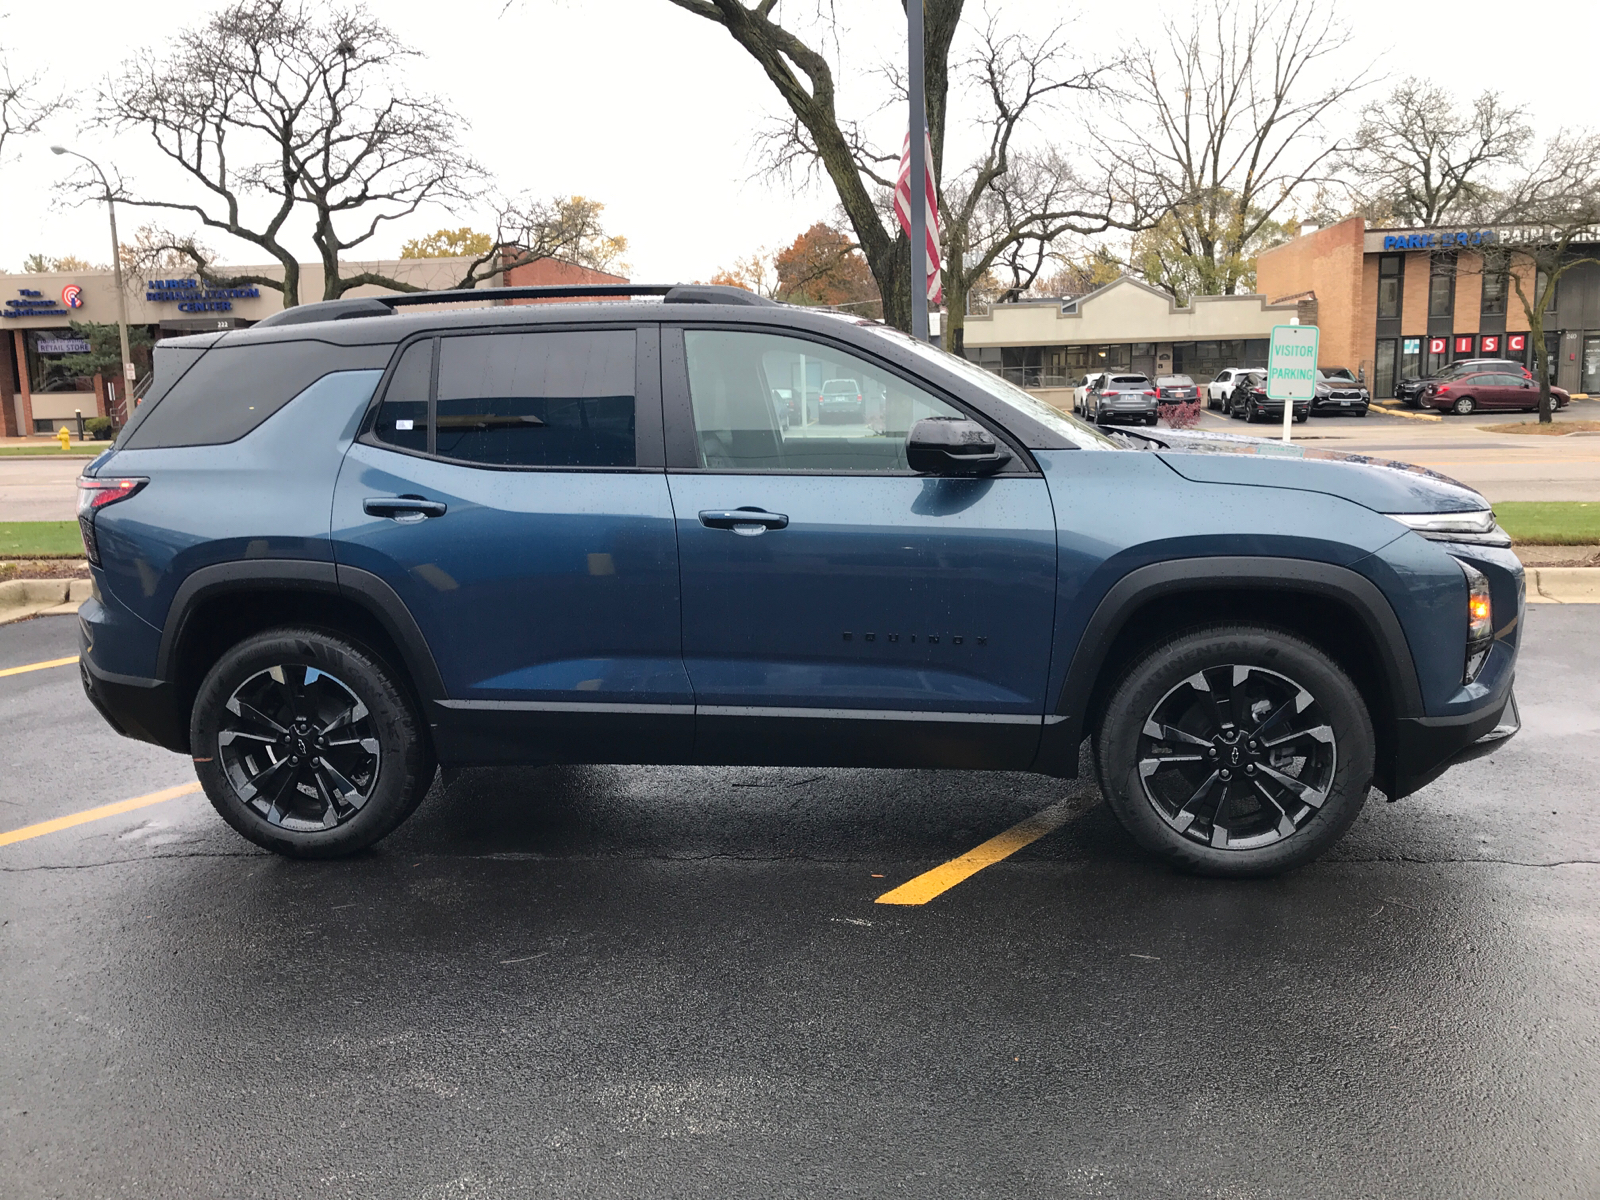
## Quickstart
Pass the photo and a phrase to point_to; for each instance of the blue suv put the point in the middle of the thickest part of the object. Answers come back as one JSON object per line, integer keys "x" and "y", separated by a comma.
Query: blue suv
{"x": 356, "y": 542}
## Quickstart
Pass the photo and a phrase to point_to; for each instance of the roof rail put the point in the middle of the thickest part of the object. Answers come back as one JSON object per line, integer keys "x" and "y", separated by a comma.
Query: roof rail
{"x": 383, "y": 306}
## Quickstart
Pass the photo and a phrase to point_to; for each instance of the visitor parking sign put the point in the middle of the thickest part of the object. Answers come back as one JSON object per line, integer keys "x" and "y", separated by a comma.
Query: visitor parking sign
{"x": 1292, "y": 363}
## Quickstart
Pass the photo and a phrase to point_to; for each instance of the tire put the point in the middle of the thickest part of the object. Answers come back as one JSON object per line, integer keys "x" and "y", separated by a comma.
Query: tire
{"x": 1260, "y": 672}
{"x": 1362, "y": 413}
{"x": 345, "y": 794}
{"x": 1251, "y": 413}
{"x": 1300, "y": 418}
{"x": 1464, "y": 407}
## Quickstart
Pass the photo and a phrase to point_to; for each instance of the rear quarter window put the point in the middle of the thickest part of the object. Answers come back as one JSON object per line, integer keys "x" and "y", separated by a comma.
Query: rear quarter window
{"x": 233, "y": 389}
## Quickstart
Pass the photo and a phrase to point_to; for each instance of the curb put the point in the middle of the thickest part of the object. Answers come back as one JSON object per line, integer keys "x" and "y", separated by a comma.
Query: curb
{"x": 1400, "y": 410}
{"x": 1563, "y": 585}
{"x": 22, "y": 598}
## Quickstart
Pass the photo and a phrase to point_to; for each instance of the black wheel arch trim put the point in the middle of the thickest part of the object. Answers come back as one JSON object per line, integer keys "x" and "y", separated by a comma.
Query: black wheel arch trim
{"x": 1147, "y": 583}
{"x": 301, "y": 575}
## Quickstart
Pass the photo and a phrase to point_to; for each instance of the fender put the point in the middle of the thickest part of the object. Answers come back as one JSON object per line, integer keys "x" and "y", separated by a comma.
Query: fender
{"x": 296, "y": 575}
{"x": 1064, "y": 730}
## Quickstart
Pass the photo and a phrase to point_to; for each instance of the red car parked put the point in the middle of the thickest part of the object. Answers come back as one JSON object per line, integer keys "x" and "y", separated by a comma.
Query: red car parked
{"x": 1488, "y": 390}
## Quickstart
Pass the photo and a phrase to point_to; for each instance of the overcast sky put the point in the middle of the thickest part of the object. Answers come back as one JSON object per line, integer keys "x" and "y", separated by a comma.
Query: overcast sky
{"x": 653, "y": 111}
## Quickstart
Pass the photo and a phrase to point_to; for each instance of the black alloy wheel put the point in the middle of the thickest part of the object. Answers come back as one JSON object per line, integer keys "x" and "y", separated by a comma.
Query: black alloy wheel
{"x": 1235, "y": 750}
{"x": 299, "y": 747}
{"x": 308, "y": 744}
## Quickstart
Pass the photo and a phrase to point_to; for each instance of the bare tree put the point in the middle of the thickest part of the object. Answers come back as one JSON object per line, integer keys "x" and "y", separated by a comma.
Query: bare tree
{"x": 23, "y": 108}
{"x": 1231, "y": 117}
{"x": 1549, "y": 219}
{"x": 528, "y": 230}
{"x": 819, "y": 134}
{"x": 1422, "y": 160}
{"x": 271, "y": 108}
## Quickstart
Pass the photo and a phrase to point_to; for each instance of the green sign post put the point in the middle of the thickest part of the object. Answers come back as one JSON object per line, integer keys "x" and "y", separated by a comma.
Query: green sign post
{"x": 1292, "y": 368}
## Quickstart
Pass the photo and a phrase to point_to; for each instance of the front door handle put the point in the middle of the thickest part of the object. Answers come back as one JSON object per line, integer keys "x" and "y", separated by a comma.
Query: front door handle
{"x": 747, "y": 522}
{"x": 405, "y": 509}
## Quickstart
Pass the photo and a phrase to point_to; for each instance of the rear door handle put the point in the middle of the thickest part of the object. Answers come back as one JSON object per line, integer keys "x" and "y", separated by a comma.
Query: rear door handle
{"x": 403, "y": 508}
{"x": 747, "y": 522}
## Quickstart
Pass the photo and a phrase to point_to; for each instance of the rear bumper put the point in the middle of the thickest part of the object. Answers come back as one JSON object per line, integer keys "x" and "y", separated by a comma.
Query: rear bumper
{"x": 143, "y": 709}
{"x": 1427, "y": 747}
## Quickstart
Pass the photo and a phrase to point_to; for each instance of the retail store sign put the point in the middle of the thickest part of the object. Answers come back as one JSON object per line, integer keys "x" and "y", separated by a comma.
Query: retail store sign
{"x": 1516, "y": 343}
{"x": 62, "y": 346}
{"x": 1438, "y": 345}
{"x": 1491, "y": 344}
{"x": 1437, "y": 240}
{"x": 1464, "y": 345}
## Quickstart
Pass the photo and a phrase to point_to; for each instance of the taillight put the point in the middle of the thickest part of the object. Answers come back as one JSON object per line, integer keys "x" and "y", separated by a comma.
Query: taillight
{"x": 1149, "y": 393}
{"x": 95, "y": 494}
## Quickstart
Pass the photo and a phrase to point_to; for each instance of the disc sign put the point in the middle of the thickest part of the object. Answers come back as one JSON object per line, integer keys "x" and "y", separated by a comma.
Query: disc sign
{"x": 1292, "y": 363}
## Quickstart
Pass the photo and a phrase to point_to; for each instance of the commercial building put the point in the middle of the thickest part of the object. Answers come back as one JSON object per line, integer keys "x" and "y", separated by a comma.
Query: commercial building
{"x": 1125, "y": 325}
{"x": 1401, "y": 303}
{"x": 38, "y": 392}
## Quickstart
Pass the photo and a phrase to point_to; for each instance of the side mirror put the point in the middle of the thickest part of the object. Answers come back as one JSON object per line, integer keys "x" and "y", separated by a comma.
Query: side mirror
{"x": 953, "y": 446}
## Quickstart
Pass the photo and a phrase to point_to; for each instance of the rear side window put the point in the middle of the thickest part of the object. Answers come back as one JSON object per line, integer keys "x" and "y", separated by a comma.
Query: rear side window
{"x": 403, "y": 415}
{"x": 232, "y": 389}
{"x": 560, "y": 399}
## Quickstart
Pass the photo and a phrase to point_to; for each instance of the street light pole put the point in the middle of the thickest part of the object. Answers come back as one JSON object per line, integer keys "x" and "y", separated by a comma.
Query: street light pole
{"x": 116, "y": 268}
{"x": 918, "y": 200}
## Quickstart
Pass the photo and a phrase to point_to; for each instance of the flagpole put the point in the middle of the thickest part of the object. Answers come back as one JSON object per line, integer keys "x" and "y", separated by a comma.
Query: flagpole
{"x": 919, "y": 167}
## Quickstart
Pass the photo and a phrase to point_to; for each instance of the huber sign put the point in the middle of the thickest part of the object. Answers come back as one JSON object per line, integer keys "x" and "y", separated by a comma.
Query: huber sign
{"x": 1292, "y": 368}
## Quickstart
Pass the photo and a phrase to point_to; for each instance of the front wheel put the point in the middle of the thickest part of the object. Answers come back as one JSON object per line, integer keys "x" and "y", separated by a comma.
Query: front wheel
{"x": 1464, "y": 406}
{"x": 1299, "y": 418}
{"x": 307, "y": 744}
{"x": 1235, "y": 751}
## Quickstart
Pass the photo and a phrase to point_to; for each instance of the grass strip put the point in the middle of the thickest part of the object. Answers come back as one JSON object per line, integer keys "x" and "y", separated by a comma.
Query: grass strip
{"x": 1550, "y": 522}
{"x": 54, "y": 450}
{"x": 40, "y": 539}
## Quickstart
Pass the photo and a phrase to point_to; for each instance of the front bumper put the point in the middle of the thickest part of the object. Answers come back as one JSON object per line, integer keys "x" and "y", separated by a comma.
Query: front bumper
{"x": 1426, "y": 747}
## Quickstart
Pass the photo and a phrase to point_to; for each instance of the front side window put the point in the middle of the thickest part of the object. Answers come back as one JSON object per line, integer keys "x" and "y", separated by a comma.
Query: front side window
{"x": 765, "y": 402}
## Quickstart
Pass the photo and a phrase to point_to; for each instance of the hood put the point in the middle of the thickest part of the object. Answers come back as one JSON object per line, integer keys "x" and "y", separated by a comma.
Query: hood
{"x": 1380, "y": 484}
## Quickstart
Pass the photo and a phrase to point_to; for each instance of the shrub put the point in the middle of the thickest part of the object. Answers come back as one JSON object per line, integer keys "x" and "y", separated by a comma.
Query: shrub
{"x": 1181, "y": 416}
{"x": 98, "y": 428}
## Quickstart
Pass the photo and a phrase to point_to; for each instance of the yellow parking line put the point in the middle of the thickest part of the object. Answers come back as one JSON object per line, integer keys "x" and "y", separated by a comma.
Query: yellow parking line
{"x": 94, "y": 814}
{"x": 942, "y": 878}
{"x": 54, "y": 662}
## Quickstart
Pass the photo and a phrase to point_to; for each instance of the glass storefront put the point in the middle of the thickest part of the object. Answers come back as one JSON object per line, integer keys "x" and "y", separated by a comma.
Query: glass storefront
{"x": 1591, "y": 364}
{"x": 1383, "y": 372}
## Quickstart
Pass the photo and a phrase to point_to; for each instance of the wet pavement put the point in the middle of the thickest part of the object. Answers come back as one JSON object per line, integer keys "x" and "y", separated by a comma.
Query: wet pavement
{"x": 675, "y": 982}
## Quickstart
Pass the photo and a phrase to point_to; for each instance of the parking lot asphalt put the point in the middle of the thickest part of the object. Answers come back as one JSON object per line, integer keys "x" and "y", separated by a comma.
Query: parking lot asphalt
{"x": 626, "y": 981}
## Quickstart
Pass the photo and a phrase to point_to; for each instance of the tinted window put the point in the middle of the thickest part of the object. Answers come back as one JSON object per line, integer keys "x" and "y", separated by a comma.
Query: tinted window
{"x": 757, "y": 402}
{"x": 1140, "y": 379}
{"x": 232, "y": 389}
{"x": 403, "y": 415}
{"x": 538, "y": 399}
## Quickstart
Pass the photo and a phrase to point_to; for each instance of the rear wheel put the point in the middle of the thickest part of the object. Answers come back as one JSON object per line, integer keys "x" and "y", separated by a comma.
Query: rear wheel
{"x": 1235, "y": 750}
{"x": 307, "y": 744}
{"x": 1464, "y": 406}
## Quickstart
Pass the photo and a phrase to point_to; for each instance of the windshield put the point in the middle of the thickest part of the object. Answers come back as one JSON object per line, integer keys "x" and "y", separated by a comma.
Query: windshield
{"x": 1336, "y": 374}
{"x": 1085, "y": 437}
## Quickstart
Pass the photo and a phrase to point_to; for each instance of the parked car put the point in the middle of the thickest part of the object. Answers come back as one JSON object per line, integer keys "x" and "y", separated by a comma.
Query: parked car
{"x": 1409, "y": 391}
{"x": 1080, "y": 393}
{"x": 1176, "y": 389}
{"x": 841, "y": 401}
{"x": 1338, "y": 391}
{"x": 1220, "y": 390}
{"x": 1464, "y": 394}
{"x": 359, "y": 540}
{"x": 1250, "y": 401}
{"x": 1129, "y": 398}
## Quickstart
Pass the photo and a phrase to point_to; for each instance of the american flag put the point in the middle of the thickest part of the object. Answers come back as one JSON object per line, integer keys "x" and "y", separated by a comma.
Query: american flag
{"x": 902, "y": 209}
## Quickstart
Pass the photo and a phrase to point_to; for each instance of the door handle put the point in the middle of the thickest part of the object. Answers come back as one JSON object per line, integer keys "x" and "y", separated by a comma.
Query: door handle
{"x": 403, "y": 508}
{"x": 747, "y": 522}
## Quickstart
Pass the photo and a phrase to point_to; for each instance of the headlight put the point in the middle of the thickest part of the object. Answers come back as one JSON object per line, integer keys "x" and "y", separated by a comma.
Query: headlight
{"x": 1477, "y": 527}
{"x": 1480, "y": 621}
